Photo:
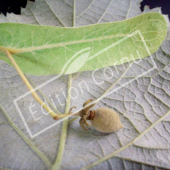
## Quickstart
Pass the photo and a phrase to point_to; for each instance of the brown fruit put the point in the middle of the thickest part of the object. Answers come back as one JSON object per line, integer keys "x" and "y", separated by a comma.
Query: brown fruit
{"x": 102, "y": 119}
{"x": 105, "y": 120}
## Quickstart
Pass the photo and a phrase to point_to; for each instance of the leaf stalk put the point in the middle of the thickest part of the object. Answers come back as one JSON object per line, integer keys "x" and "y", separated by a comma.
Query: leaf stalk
{"x": 57, "y": 164}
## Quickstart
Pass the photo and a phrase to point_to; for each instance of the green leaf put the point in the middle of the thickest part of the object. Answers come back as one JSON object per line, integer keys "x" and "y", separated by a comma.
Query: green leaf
{"x": 140, "y": 104}
{"x": 44, "y": 50}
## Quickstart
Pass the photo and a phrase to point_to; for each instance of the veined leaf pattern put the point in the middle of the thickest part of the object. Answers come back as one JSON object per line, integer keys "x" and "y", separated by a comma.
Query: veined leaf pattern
{"x": 141, "y": 104}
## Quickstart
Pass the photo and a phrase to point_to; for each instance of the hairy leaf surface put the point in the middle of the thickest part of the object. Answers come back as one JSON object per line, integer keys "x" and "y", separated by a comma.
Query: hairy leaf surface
{"x": 142, "y": 144}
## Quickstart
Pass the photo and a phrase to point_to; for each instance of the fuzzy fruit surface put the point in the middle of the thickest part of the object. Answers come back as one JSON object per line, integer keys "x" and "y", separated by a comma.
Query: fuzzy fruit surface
{"x": 106, "y": 120}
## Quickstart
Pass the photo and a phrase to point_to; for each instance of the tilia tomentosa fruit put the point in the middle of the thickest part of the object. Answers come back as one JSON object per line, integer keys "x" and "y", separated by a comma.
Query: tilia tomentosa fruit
{"x": 102, "y": 119}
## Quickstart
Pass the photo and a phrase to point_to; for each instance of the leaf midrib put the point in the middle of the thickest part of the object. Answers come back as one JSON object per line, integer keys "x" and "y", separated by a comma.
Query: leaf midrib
{"x": 30, "y": 49}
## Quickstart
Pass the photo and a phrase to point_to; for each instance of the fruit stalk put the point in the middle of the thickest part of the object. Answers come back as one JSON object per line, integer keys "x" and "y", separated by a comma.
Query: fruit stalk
{"x": 34, "y": 94}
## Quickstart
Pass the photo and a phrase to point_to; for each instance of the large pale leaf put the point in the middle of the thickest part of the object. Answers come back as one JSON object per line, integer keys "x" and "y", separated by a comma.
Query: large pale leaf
{"x": 43, "y": 50}
{"x": 140, "y": 104}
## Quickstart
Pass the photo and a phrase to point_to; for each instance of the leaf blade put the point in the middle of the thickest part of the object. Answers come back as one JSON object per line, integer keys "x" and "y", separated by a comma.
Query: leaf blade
{"x": 40, "y": 52}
